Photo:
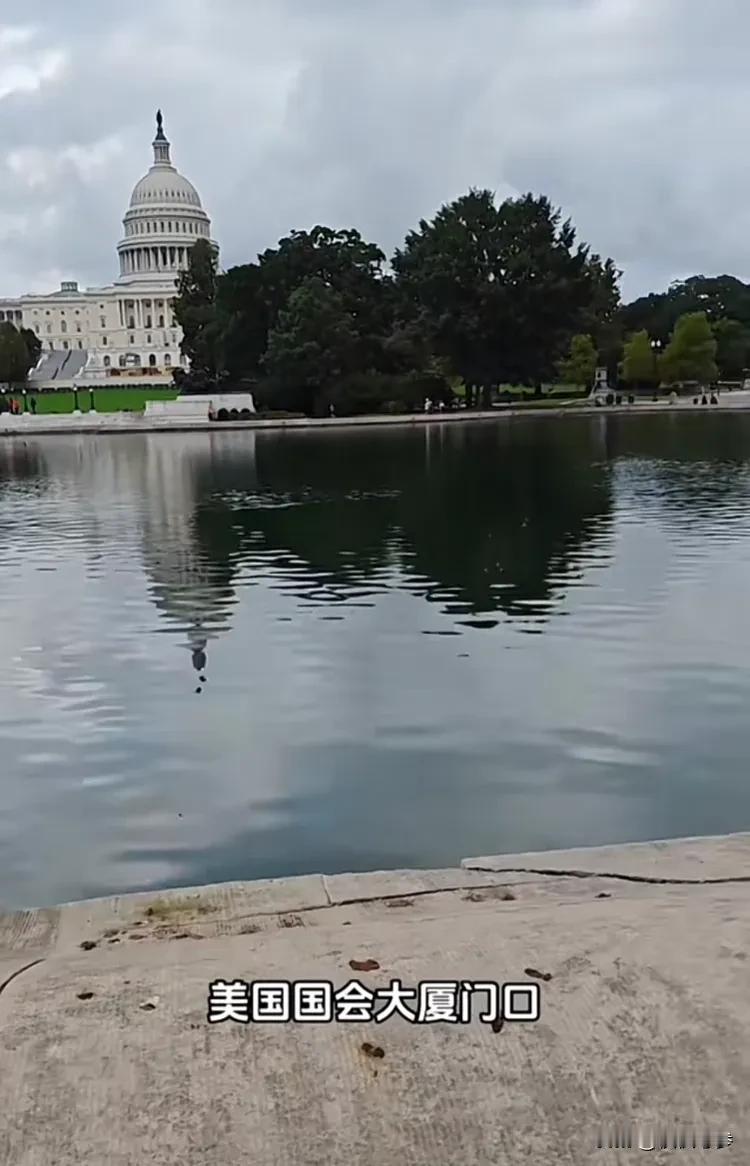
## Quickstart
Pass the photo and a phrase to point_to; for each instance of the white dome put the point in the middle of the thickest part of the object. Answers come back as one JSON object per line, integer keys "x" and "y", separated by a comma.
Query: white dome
{"x": 163, "y": 221}
{"x": 164, "y": 185}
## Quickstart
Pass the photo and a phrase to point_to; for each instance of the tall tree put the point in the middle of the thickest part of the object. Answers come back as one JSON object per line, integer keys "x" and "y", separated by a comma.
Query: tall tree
{"x": 639, "y": 365}
{"x": 503, "y": 288}
{"x": 579, "y": 366}
{"x": 14, "y": 355}
{"x": 691, "y": 352}
{"x": 313, "y": 345}
{"x": 195, "y": 310}
{"x": 732, "y": 348}
{"x": 720, "y": 297}
{"x": 250, "y": 298}
{"x": 243, "y": 319}
{"x": 33, "y": 346}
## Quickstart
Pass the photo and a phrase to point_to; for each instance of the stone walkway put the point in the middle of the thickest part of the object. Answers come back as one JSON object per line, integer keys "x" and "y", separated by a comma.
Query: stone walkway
{"x": 639, "y": 953}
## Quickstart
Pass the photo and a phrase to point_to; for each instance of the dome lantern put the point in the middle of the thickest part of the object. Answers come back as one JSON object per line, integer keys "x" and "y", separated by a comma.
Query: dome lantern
{"x": 160, "y": 143}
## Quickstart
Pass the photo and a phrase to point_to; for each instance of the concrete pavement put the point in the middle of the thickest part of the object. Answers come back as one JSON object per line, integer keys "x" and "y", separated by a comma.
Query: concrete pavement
{"x": 106, "y": 1055}
{"x": 26, "y": 424}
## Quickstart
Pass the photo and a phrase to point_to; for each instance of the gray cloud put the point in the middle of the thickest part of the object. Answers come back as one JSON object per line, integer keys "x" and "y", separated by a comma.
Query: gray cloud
{"x": 627, "y": 113}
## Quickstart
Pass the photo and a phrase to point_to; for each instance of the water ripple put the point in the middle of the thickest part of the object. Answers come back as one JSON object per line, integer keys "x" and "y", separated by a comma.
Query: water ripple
{"x": 228, "y": 656}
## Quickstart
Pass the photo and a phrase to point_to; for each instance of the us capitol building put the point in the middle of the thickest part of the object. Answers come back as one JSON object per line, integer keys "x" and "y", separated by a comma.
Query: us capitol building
{"x": 124, "y": 333}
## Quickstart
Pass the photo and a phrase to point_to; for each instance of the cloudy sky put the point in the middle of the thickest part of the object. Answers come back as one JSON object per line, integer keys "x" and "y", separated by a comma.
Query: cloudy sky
{"x": 630, "y": 114}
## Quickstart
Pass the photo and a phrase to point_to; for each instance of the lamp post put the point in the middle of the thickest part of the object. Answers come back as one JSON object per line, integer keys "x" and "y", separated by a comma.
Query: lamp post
{"x": 656, "y": 347}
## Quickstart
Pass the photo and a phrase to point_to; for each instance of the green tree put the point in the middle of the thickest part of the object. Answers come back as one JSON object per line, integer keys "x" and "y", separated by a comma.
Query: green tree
{"x": 720, "y": 297}
{"x": 503, "y": 289}
{"x": 639, "y": 366}
{"x": 732, "y": 348}
{"x": 244, "y": 320}
{"x": 33, "y": 346}
{"x": 14, "y": 355}
{"x": 579, "y": 366}
{"x": 314, "y": 344}
{"x": 250, "y": 298}
{"x": 195, "y": 310}
{"x": 691, "y": 352}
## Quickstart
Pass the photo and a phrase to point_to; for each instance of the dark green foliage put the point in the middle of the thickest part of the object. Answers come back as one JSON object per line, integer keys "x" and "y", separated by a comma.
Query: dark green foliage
{"x": 195, "y": 310}
{"x": 33, "y": 346}
{"x": 503, "y": 289}
{"x": 313, "y": 345}
{"x": 251, "y": 298}
{"x": 15, "y": 358}
{"x": 721, "y": 297}
{"x": 639, "y": 366}
{"x": 732, "y": 348}
{"x": 691, "y": 353}
{"x": 488, "y": 293}
{"x": 579, "y": 366}
{"x": 377, "y": 392}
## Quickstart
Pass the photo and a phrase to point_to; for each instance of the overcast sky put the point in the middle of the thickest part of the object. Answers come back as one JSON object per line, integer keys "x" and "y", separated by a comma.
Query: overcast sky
{"x": 632, "y": 115}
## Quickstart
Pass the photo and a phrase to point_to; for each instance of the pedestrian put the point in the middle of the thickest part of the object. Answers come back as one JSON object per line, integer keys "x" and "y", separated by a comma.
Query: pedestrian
{"x": 32, "y": 404}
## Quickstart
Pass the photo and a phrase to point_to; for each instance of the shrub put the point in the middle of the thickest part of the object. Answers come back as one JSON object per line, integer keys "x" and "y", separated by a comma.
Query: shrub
{"x": 360, "y": 393}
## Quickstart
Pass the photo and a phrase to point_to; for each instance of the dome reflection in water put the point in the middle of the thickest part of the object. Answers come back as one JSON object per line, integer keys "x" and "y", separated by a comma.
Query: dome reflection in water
{"x": 411, "y": 644}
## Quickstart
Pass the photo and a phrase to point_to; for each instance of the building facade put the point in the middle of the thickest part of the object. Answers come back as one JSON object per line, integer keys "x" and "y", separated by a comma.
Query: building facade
{"x": 124, "y": 333}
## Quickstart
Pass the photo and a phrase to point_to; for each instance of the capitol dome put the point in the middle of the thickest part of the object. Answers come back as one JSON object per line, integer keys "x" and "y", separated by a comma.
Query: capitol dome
{"x": 163, "y": 221}
{"x": 165, "y": 186}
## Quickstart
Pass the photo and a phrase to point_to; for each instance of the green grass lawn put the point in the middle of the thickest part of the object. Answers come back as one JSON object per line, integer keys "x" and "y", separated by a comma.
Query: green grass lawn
{"x": 105, "y": 400}
{"x": 134, "y": 400}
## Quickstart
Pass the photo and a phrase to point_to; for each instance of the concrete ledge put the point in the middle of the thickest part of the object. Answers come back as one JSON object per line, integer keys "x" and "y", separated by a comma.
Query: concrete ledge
{"x": 718, "y": 858}
{"x": 106, "y": 1054}
{"x": 219, "y": 909}
{"x": 391, "y": 884}
{"x": 43, "y": 425}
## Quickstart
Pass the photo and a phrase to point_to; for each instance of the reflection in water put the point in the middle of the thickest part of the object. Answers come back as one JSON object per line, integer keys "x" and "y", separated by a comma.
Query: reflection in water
{"x": 477, "y": 525}
{"x": 409, "y": 645}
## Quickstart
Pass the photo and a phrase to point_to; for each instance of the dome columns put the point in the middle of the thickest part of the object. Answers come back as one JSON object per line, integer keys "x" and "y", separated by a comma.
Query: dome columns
{"x": 157, "y": 259}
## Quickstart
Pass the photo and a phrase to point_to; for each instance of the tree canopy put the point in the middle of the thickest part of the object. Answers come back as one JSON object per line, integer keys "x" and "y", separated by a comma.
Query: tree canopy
{"x": 691, "y": 353}
{"x": 732, "y": 348}
{"x": 720, "y": 297}
{"x": 503, "y": 288}
{"x": 251, "y": 297}
{"x": 195, "y": 309}
{"x": 486, "y": 293}
{"x": 639, "y": 365}
{"x": 312, "y": 345}
{"x": 579, "y": 366}
{"x": 17, "y": 354}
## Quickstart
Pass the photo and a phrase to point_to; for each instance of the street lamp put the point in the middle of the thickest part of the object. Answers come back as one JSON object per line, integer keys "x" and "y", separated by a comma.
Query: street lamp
{"x": 656, "y": 347}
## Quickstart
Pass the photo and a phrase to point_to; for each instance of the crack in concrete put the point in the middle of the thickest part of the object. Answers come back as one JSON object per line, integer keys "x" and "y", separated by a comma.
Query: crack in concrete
{"x": 18, "y": 972}
{"x": 419, "y": 894}
{"x": 598, "y": 874}
{"x": 305, "y": 910}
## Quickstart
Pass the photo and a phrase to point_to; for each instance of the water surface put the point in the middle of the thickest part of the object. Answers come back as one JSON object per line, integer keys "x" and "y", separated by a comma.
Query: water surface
{"x": 233, "y": 655}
